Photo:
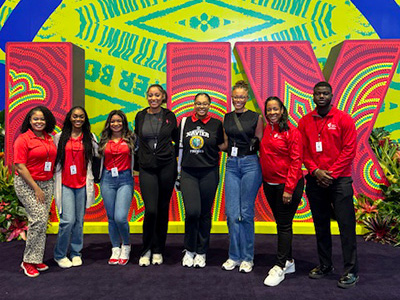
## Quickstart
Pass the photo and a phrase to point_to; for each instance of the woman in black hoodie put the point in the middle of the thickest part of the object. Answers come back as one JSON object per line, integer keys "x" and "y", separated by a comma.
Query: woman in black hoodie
{"x": 156, "y": 128}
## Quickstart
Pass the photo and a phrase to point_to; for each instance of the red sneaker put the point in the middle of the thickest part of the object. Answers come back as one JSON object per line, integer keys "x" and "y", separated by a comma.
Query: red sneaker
{"x": 29, "y": 269}
{"x": 41, "y": 267}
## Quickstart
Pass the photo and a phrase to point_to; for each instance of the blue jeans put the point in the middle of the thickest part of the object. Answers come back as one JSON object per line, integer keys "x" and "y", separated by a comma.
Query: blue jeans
{"x": 70, "y": 231}
{"x": 242, "y": 181}
{"x": 117, "y": 193}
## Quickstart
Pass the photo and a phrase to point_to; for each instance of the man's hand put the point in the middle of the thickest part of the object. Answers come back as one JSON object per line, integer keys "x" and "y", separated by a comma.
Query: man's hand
{"x": 323, "y": 177}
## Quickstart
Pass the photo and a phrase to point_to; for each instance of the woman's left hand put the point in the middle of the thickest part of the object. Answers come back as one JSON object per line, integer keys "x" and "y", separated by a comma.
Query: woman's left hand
{"x": 287, "y": 198}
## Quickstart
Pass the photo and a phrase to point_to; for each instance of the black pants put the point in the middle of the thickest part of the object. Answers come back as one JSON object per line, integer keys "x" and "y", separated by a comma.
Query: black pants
{"x": 198, "y": 186}
{"x": 340, "y": 195}
{"x": 283, "y": 214}
{"x": 156, "y": 186}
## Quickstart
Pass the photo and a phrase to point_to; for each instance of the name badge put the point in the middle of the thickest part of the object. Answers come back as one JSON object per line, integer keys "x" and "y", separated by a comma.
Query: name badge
{"x": 234, "y": 151}
{"x": 72, "y": 169}
{"x": 47, "y": 166}
{"x": 318, "y": 146}
{"x": 114, "y": 172}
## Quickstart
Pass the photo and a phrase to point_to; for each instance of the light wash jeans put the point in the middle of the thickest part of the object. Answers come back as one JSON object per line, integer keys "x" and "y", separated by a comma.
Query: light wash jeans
{"x": 117, "y": 193}
{"x": 70, "y": 231}
{"x": 242, "y": 181}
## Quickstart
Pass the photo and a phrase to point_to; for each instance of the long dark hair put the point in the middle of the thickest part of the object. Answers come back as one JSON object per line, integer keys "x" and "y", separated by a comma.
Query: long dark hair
{"x": 283, "y": 122}
{"x": 127, "y": 135}
{"x": 87, "y": 138}
{"x": 48, "y": 116}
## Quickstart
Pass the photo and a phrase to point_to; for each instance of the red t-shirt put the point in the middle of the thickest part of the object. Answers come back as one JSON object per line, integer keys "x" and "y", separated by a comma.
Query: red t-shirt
{"x": 74, "y": 155}
{"x": 281, "y": 156}
{"x": 117, "y": 154}
{"x": 34, "y": 152}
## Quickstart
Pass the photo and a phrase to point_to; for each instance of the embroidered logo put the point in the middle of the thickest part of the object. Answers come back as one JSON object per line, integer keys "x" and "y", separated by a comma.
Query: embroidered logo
{"x": 332, "y": 126}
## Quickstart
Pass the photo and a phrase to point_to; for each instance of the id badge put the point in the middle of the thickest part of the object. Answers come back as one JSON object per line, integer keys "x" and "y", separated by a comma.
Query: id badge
{"x": 114, "y": 172}
{"x": 47, "y": 166}
{"x": 72, "y": 169}
{"x": 234, "y": 151}
{"x": 318, "y": 146}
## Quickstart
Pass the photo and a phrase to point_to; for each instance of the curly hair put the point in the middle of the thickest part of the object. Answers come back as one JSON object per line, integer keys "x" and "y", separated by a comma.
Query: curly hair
{"x": 66, "y": 134}
{"x": 161, "y": 89}
{"x": 241, "y": 84}
{"x": 48, "y": 116}
{"x": 283, "y": 122}
{"x": 127, "y": 134}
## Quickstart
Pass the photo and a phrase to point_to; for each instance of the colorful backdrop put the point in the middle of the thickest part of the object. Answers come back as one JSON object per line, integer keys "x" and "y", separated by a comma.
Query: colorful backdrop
{"x": 125, "y": 43}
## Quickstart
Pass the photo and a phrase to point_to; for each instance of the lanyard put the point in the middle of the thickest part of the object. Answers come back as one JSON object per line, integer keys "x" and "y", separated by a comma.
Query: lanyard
{"x": 47, "y": 148}
{"x": 156, "y": 132}
{"x": 75, "y": 152}
{"x": 116, "y": 152}
{"x": 320, "y": 130}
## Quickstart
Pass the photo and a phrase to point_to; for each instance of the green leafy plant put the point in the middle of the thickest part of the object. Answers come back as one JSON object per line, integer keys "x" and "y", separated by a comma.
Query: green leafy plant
{"x": 379, "y": 230}
{"x": 381, "y": 217}
{"x": 13, "y": 220}
{"x": 366, "y": 207}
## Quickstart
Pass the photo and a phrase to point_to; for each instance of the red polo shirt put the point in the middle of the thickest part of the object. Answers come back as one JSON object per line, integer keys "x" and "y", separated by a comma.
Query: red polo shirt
{"x": 117, "y": 154}
{"x": 34, "y": 152}
{"x": 74, "y": 155}
{"x": 281, "y": 156}
{"x": 337, "y": 133}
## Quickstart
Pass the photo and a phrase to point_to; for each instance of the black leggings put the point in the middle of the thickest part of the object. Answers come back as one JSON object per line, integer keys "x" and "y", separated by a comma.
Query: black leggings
{"x": 283, "y": 214}
{"x": 156, "y": 186}
{"x": 198, "y": 186}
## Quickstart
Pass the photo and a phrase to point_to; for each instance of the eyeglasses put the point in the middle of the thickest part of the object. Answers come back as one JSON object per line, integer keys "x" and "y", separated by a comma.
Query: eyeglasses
{"x": 203, "y": 104}
{"x": 239, "y": 97}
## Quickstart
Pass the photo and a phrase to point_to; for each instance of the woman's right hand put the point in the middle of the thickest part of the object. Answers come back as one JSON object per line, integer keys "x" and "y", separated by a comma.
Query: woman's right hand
{"x": 39, "y": 195}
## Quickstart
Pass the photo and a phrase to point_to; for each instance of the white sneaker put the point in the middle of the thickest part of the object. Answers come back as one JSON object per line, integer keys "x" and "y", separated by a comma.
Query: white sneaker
{"x": 157, "y": 259}
{"x": 275, "y": 276}
{"x": 125, "y": 253}
{"x": 199, "y": 261}
{"x": 115, "y": 253}
{"x": 188, "y": 260}
{"x": 64, "y": 263}
{"x": 246, "y": 266}
{"x": 144, "y": 260}
{"x": 230, "y": 264}
{"x": 77, "y": 261}
{"x": 289, "y": 267}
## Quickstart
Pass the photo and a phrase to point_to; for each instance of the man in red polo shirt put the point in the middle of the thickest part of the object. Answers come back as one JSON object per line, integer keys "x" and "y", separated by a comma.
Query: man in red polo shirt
{"x": 329, "y": 137}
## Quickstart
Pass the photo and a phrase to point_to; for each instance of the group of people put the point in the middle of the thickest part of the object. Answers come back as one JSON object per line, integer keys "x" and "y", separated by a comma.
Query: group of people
{"x": 270, "y": 155}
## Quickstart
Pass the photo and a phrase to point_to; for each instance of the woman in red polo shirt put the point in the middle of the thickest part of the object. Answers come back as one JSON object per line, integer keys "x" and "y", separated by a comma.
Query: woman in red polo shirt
{"x": 74, "y": 184}
{"x": 281, "y": 157}
{"x": 34, "y": 157}
{"x": 117, "y": 146}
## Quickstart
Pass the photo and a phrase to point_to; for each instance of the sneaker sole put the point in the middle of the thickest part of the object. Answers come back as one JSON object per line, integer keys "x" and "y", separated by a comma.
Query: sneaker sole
{"x": 27, "y": 274}
{"x": 42, "y": 269}
{"x": 63, "y": 267}
{"x": 245, "y": 271}
{"x": 228, "y": 269}
{"x": 348, "y": 286}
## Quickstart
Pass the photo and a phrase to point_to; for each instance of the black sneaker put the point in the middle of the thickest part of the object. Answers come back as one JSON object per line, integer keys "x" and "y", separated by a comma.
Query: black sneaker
{"x": 320, "y": 272}
{"x": 348, "y": 281}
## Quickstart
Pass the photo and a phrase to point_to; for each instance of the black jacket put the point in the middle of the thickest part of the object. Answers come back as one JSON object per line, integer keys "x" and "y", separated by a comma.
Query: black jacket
{"x": 165, "y": 151}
